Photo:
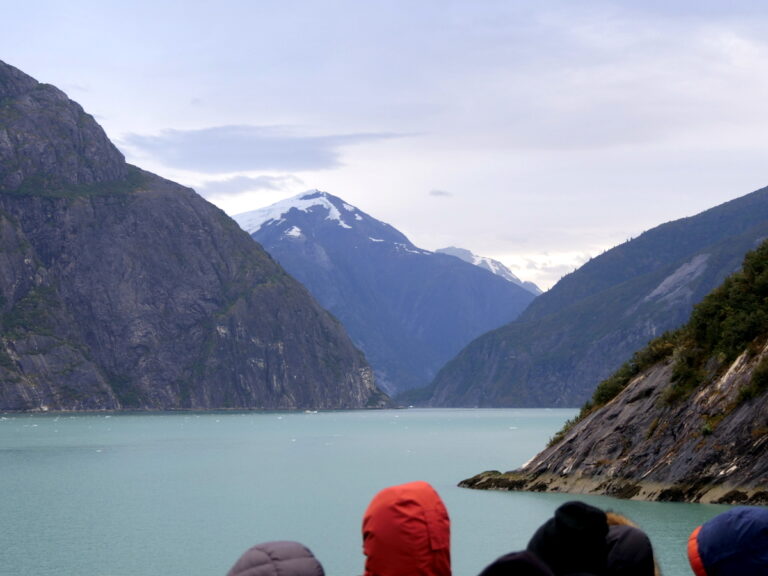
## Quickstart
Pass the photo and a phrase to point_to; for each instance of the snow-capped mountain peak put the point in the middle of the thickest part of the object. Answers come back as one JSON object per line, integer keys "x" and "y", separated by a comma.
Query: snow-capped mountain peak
{"x": 337, "y": 210}
{"x": 491, "y": 265}
{"x": 312, "y": 211}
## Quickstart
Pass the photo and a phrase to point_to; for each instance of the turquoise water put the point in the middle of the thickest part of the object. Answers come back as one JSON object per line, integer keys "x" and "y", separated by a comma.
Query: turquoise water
{"x": 186, "y": 494}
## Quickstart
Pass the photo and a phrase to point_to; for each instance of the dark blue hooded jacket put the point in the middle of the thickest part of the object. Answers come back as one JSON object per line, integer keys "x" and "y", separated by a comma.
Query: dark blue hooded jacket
{"x": 734, "y": 543}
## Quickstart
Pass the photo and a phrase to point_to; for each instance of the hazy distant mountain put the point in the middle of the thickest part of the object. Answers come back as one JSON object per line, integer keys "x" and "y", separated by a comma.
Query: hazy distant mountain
{"x": 491, "y": 265}
{"x": 576, "y": 334}
{"x": 122, "y": 290}
{"x": 409, "y": 310}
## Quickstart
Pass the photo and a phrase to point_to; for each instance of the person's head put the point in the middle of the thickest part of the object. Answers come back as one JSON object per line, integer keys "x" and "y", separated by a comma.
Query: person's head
{"x": 734, "y": 543}
{"x": 522, "y": 563}
{"x": 629, "y": 549}
{"x": 283, "y": 557}
{"x": 573, "y": 541}
{"x": 406, "y": 532}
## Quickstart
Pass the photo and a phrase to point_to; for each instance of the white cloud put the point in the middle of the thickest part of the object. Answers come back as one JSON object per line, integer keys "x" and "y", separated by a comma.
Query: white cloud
{"x": 235, "y": 185}
{"x": 223, "y": 149}
{"x": 554, "y": 129}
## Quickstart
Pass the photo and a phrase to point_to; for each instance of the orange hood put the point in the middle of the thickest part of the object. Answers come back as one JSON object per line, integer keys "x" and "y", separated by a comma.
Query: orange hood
{"x": 406, "y": 532}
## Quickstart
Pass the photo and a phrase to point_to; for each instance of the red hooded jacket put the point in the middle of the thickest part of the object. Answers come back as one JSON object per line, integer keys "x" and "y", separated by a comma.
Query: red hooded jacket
{"x": 406, "y": 532}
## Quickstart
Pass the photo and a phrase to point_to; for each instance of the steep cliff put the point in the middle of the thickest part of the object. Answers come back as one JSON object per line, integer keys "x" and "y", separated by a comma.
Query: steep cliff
{"x": 685, "y": 419}
{"x": 122, "y": 290}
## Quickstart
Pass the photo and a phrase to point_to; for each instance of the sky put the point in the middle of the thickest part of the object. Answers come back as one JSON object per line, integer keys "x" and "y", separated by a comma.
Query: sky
{"x": 537, "y": 133}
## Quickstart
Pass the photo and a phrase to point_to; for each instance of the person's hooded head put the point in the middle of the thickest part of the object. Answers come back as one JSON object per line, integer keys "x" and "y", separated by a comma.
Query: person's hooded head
{"x": 522, "y": 563}
{"x": 573, "y": 541}
{"x": 629, "y": 549}
{"x": 284, "y": 558}
{"x": 734, "y": 543}
{"x": 406, "y": 532}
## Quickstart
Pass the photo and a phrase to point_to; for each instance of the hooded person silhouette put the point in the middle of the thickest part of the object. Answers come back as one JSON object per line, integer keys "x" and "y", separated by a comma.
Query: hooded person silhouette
{"x": 406, "y": 532}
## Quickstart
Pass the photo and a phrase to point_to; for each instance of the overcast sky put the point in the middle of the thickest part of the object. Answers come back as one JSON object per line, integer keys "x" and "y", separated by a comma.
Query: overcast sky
{"x": 536, "y": 133}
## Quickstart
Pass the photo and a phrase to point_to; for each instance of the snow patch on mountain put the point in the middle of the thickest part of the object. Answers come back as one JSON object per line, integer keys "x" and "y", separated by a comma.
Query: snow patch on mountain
{"x": 410, "y": 250}
{"x": 493, "y": 266}
{"x": 253, "y": 220}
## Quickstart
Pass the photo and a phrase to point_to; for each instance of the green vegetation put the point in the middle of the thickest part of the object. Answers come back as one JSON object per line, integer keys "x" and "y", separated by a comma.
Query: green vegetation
{"x": 731, "y": 319}
{"x": 656, "y": 351}
{"x": 128, "y": 395}
{"x": 31, "y": 314}
{"x": 40, "y": 186}
{"x": 711, "y": 423}
{"x": 735, "y": 314}
{"x": 758, "y": 385}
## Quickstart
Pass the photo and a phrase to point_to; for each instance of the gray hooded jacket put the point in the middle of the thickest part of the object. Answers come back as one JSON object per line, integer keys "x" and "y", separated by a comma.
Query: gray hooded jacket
{"x": 282, "y": 558}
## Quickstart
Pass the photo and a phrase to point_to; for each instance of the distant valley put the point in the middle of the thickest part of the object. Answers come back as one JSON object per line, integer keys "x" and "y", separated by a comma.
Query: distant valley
{"x": 408, "y": 309}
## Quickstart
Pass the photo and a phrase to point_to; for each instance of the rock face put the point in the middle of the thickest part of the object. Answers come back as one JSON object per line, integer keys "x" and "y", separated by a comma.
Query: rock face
{"x": 692, "y": 425}
{"x": 700, "y": 451}
{"x": 48, "y": 141}
{"x": 409, "y": 310}
{"x": 121, "y": 290}
{"x": 579, "y": 332}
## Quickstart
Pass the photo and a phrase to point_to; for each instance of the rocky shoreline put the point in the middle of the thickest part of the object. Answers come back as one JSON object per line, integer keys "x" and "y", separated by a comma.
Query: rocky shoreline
{"x": 704, "y": 493}
{"x": 709, "y": 448}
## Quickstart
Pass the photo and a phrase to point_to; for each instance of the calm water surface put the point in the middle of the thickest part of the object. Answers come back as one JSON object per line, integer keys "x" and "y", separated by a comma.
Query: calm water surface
{"x": 186, "y": 494}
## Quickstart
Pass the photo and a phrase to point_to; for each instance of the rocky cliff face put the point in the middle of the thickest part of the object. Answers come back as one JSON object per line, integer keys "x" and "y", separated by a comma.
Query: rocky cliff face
{"x": 686, "y": 419}
{"x": 121, "y": 290}
{"x": 704, "y": 450}
{"x": 46, "y": 140}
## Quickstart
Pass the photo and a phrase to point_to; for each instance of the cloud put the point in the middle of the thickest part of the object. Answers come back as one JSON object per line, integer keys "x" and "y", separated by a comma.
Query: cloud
{"x": 239, "y": 184}
{"x": 440, "y": 193}
{"x": 223, "y": 149}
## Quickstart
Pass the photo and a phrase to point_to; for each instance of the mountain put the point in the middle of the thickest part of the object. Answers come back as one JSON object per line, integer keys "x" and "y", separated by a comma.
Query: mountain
{"x": 409, "y": 310}
{"x": 491, "y": 265}
{"x": 122, "y": 290}
{"x": 580, "y": 331}
{"x": 685, "y": 419}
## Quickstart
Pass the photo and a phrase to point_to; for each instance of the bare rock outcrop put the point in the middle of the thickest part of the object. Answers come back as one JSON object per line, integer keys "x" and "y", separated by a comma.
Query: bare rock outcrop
{"x": 711, "y": 447}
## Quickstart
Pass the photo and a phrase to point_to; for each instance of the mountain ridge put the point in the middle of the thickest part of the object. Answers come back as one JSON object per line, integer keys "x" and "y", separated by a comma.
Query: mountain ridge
{"x": 408, "y": 309}
{"x": 578, "y": 332}
{"x": 493, "y": 266}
